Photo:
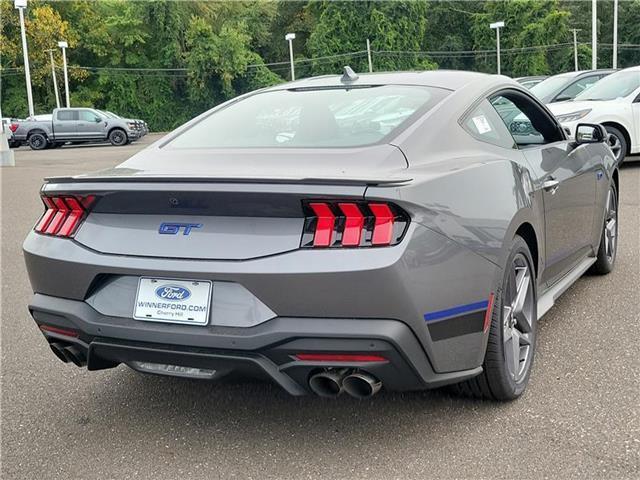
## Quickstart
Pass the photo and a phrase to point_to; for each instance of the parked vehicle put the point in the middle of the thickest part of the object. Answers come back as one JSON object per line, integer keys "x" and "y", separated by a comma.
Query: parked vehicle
{"x": 76, "y": 125}
{"x": 528, "y": 82}
{"x": 10, "y": 126}
{"x": 566, "y": 86}
{"x": 411, "y": 242}
{"x": 141, "y": 125}
{"x": 615, "y": 103}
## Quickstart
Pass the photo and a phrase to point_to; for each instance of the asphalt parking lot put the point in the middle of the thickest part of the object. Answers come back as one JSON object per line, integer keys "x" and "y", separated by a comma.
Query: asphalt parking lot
{"x": 578, "y": 419}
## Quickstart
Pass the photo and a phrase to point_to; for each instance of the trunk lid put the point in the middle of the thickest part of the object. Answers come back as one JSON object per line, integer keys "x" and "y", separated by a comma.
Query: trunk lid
{"x": 223, "y": 205}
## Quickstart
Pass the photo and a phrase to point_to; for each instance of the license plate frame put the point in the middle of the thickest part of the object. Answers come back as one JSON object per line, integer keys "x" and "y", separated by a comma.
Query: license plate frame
{"x": 186, "y": 302}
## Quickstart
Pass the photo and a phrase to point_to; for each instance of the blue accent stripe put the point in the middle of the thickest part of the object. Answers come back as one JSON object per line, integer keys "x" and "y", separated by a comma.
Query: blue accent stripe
{"x": 450, "y": 312}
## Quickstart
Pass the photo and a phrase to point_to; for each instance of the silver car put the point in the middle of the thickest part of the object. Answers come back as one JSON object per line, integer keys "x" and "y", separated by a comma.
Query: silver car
{"x": 335, "y": 234}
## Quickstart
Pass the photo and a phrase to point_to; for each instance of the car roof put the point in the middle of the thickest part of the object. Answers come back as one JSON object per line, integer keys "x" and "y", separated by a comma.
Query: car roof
{"x": 447, "y": 79}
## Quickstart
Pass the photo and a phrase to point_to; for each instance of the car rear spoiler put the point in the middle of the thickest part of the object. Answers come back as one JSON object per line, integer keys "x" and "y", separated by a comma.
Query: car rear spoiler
{"x": 337, "y": 181}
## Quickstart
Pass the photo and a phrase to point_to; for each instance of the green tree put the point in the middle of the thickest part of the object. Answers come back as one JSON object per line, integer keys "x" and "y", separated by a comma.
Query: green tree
{"x": 395, "y": 29}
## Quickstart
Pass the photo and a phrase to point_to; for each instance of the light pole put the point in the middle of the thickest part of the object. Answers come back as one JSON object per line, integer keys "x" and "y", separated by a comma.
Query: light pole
{"x": 497, "y": 26}
{"x": 21, "y": 5}
{"x": 53, "y": 74}
{"x": 369, "y": 56}
{"x": 575, "y": 48}
{"x": 615, "y": 33}
{"x": 63, "y": 45}
{"x": 289, "y": 37}
{"x": 594, "y": 34}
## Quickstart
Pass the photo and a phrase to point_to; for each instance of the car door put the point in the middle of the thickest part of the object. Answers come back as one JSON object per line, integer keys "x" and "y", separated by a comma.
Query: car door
{"x": 564, "y": 175}
{"x": 90, "y": 125}
{"x": 64, "y": 124}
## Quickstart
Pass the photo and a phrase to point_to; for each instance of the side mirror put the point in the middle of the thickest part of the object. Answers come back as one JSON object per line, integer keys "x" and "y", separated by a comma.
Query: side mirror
{"x": 590, "y": 133}
{"x": 97, "y": 119}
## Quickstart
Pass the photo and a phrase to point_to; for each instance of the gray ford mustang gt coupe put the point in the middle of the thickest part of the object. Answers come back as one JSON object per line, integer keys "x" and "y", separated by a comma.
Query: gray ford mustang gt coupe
{"x": 335, "y": 234}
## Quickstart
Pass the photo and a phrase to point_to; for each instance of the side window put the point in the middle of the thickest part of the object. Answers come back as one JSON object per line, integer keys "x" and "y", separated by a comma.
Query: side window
{"x": 67, "y": 115}
{"x": 88, "y": 116}
{"x": 485, "y": 125}
{"x": 577, "y": 87}
{"x": 527, "y": 121}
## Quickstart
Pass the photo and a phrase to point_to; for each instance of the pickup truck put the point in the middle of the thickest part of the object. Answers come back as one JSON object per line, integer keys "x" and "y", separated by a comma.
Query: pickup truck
{"x": 77, "y": 125}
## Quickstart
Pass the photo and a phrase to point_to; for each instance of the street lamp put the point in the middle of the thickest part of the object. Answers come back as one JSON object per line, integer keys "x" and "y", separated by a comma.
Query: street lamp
{"x": 53, "y": 74}
{"x": 497, "y": 26}
{"x": 21, "y": 5}
{"x": 594, "y": 35}
{"x": 615, "y": 33}
{"x": 289, "y": 37}
{"x": 575, "y": 48}
{"x": 63, "y": 45}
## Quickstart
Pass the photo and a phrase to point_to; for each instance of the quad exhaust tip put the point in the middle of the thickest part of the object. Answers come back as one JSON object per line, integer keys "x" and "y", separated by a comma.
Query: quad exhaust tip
{"x": 361, "y": 385}
{"x": 328, "y": 383}
{"x": 331, "y": 383}
{"x": 69, "y": 353}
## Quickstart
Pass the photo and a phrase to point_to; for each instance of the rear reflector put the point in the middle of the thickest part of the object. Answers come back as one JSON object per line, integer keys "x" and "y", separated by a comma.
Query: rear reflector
{"x": 59, "y": 331}
{"x": 353, "y": 224}
{"x": 339, "y": 357}
{"x": 63, "y": 214}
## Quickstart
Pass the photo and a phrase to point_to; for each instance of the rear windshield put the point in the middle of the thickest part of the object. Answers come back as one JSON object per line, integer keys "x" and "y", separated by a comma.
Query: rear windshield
{"x": 331, "y": 117}
{"x": 616, "y": 85}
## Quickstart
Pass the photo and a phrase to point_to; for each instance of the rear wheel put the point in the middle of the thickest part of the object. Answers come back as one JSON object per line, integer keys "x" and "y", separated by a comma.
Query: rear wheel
{"x": 38, "y": 141}
{"x": 617, "y": 143}
{"x": 606, "y": 258}
{"x": 118, "y": 137}
{"x": 512, "y": 334}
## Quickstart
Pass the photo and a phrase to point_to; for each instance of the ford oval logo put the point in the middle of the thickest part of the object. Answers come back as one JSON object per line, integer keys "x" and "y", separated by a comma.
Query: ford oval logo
{"x": 173, "y": 292}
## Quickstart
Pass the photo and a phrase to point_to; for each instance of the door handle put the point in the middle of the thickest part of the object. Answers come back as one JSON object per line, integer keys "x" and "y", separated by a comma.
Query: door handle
{"x": 551, "y": 185}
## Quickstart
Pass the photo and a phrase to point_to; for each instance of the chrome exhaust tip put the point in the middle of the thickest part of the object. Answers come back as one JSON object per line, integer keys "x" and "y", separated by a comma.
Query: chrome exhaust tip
{"x": 361, "y": 385}
{"x": 328, "y": 383}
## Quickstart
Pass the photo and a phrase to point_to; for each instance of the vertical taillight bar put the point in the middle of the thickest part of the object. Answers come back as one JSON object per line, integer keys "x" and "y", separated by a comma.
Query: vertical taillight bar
{"x": 383, "y": 226}
{"x": 324, "y": 226}
{"x": 354, "y": 221}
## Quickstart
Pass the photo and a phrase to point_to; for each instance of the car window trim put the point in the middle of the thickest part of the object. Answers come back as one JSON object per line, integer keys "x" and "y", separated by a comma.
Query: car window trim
{"x": 543, "y": 109}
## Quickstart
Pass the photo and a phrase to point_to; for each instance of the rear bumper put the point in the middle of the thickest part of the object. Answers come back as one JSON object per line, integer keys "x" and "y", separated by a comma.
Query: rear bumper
{"x": 266, "y": 350}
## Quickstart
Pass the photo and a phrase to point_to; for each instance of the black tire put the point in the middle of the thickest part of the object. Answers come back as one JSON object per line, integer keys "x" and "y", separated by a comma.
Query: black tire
{"x": 497, "y": 382}
{"x": 38, "y": 141}
{"x": 118, "y": 137}
{"x": 608, "y": 249}
{"x": 618, "y": 143}
{"x": 57, "y": 145}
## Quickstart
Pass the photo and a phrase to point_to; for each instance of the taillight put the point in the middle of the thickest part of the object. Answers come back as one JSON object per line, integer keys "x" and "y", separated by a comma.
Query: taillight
{"x": 13, "y": 127}
{"x": 353, "y": 224}
{"x": 63, "y": 214}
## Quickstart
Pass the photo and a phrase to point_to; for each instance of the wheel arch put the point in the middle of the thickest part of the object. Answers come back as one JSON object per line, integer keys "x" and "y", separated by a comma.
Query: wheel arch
{"x": 528, "y": 234}
{"x": 117, "y": 128}
{"x": 616, "y": 182}
{"x": 33, "y": 131}
{"x": 624, "y": 131}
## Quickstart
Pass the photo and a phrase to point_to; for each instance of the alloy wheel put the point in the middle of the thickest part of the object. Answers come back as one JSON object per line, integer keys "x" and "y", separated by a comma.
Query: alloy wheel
{"x": 517, "y": 319}
{"x": 615, "y": 145}
{"x": 611, "y": 226}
